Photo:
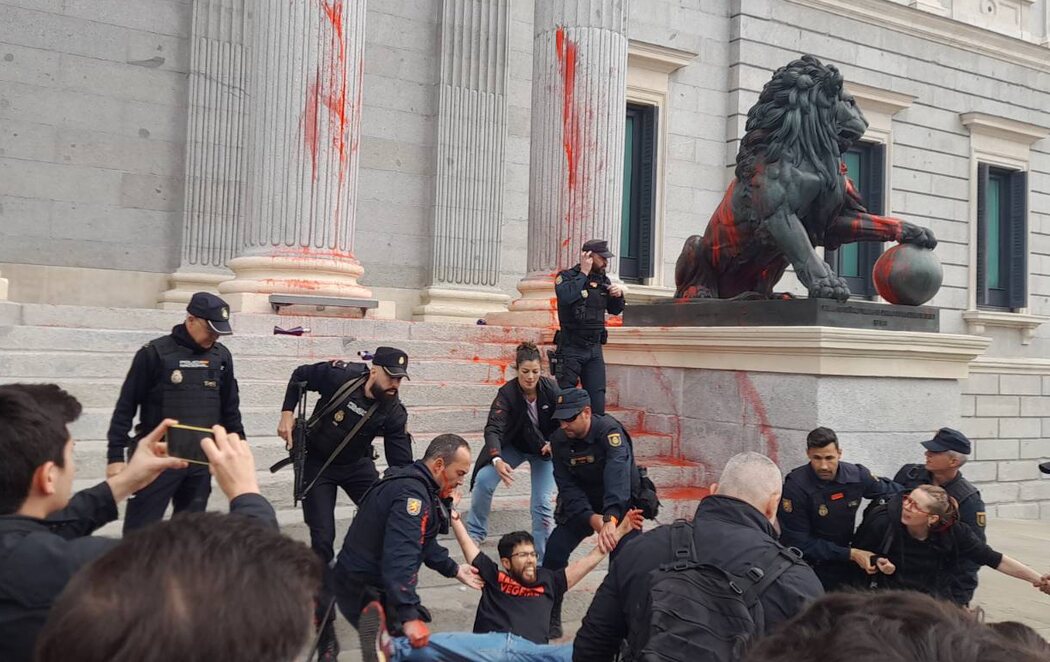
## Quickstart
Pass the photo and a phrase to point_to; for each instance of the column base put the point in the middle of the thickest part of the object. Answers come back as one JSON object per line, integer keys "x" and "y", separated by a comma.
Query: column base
{"x": 184, "y": 284}
{"x": 441, "y": 304}
{"x": 261, "y": 276}
{"x": 3, "y": 289}
{"x": 537, "y": 306}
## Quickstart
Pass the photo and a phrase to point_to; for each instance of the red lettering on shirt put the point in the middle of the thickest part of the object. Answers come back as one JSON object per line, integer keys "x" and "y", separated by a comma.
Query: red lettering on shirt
{"x": 510, "y": 586}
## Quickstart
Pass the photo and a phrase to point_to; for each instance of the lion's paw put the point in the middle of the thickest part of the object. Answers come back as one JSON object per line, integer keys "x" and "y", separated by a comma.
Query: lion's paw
{"x": 829, "y": 287}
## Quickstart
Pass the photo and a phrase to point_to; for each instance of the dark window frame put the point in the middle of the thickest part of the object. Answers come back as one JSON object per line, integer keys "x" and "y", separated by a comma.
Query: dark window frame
{"x": 1013, "y": 238}
{"x": 871, "y": 186}
{"x": 637, "y": 264}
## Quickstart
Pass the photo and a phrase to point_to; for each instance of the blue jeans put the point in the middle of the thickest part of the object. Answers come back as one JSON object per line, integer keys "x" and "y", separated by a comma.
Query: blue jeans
{"x": 470, "y": 647}
{"x": 542, "y": 497}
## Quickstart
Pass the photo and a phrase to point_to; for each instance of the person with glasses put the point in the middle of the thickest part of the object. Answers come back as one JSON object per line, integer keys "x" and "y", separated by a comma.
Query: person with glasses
{"x": 919, "y": 544}
{"x": 514, "y": 610}
{"x": 946, "y": 453}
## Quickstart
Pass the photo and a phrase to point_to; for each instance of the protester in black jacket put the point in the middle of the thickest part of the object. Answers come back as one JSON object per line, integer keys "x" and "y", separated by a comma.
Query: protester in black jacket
{"x": 518, "y": 430}
{"x": 732, "y": 529}
{"x": 921, "y": 543}
{"x": 45, "y": 536}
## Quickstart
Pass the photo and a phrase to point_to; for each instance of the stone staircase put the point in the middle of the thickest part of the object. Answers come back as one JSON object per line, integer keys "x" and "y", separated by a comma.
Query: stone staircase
{"x": 455, "y": 372}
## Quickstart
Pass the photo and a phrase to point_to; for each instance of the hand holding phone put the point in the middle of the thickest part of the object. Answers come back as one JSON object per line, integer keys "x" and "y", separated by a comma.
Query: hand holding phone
{"x": 184, "y": 442}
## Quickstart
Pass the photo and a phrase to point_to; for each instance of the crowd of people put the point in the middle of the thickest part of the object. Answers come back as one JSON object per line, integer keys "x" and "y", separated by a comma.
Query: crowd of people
{"x": 770, "y": 567}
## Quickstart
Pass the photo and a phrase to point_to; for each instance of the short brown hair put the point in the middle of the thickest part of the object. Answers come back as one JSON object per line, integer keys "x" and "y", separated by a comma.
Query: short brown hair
{"x": 885, "y": 626}
{"x": 226, "y": 587}
{"x": 33, "y": 420}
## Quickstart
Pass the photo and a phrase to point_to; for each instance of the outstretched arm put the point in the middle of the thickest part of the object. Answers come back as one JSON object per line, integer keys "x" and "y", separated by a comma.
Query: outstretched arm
{"x": 578, "y": 569}
{"x": 470, "y": 549}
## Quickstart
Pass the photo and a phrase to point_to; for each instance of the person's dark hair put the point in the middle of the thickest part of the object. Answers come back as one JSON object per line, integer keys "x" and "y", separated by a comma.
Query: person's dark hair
{"x": 444, "y": 447}
{"x": 885, "y": 626}
{"x": 511, "y": 540}
{"x": 1021, "y": 635}
{"x": 32, "y": 433}
{"x": 821, "y": 437}
{"x": 226, "y": 587}
{"x": 526, "y": 351}
{"x": 53, "y": 399}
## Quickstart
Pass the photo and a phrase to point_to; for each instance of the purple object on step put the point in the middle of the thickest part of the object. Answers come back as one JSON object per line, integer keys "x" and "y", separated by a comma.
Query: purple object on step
{"x": 365, "y": 355}
{"x": 297, "y": 331}
{"x": 482, "y": 323}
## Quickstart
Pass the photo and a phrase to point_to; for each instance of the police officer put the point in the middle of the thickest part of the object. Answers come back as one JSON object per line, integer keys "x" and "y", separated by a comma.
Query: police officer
{"x": 356, "y": 404}
{"x": 818, "y": 509}
{"x": 395, "y": 532}
{"x": 597, "y": 482}
{"x": 188, "y": 376}
{"x": 585, "y": 294}
{"x": 945, "y": 454}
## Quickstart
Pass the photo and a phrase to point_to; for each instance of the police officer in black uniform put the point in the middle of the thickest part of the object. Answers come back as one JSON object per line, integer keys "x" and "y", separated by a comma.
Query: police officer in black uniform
{"x": 597, "y": 480}
{"x": 818, "y": 509}
{"x": 395, "y": 532}
{"x": 945, "y": 455}
{"x": 585, "y": 294}
{"x": 186, "y": 375}
{"x": 349, "y": 393}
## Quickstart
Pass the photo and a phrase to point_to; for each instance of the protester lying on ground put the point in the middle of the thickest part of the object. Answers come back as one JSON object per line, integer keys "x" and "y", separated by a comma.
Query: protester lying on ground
{"x": 887, "y": 626}
{"x": 45, "y": 534}
{"x": 732, "y": 531}
{"x": 919, "y": 543}
{"x": 203, "y": 586}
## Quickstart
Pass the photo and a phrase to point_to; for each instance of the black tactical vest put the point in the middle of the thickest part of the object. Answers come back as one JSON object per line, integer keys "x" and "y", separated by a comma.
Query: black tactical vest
{"x": 190, "y": 383}
{"x": 587, "y": 315}
{"x": 329, "y": 432}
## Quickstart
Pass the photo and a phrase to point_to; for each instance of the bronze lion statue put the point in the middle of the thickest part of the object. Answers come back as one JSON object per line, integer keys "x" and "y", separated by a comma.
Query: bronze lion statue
{"x": 790, "y": 195}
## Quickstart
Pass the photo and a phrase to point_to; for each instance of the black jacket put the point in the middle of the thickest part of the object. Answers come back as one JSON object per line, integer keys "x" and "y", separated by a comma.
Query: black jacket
{"x": 393, "y": 533}
{"x": 389, "y": 420}
{"x": 728, "y": 533}
{"x": 932, "y": 566}
{"x": 509, "y": 422}
{"x": 595, "y": 475}
{"x": 138, "y": 394}
{"x": 39, "y": 557}
{"x": 971, "y": 512}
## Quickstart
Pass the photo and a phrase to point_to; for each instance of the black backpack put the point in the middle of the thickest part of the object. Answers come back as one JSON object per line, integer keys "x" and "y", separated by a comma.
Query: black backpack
{"x": 699, "y": 612}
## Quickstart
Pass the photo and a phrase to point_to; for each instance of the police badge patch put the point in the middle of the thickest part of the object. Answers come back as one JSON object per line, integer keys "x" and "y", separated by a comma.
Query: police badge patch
{"x": 339, "y": 416}
{"x": 982, "y": 519}
{"x": 786, "y": 505}
{"x": 413, "y": 506}
{"x": 615, "y": 440}
{"x": 176, "y": 376}
{"x": 822, "y": 511}
{"x": 557, "y": 281}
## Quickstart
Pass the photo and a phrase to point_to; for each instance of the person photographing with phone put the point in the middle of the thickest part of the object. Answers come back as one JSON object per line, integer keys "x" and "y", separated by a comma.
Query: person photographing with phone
{"x": 186, "y": 375}
{"x": 585, "y": 294}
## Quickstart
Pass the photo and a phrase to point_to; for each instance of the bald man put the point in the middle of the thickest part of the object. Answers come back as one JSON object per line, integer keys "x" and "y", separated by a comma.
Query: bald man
{"x": 732, "y": 529}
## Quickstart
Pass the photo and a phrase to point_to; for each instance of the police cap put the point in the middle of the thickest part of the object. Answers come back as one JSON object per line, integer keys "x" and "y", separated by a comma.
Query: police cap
{"x": 215, "y": 311}
{"x": 948, "y": 439}
{"x": 571, "y": 402}
{"x": 393, "y": 360}
{"x": 598, "y": 247}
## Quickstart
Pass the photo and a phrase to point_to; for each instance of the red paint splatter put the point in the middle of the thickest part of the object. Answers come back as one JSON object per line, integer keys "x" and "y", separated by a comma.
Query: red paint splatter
{"x": 684, "y": 493}
{"x": 749, "y": 394}
{"x": 566, "y": 50}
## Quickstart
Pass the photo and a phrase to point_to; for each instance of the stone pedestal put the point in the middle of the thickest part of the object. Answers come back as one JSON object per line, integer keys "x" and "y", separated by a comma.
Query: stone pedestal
{"x": 579, "y": 96}
{"x": 307, "y": 70}
{"x": 723, "y": 390}
{"x": 471, "y": 149}
{"x": 215, "y": 137}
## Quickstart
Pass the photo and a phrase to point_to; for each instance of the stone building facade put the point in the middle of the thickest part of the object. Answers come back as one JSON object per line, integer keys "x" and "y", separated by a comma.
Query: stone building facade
{"x": 445, "y": 156}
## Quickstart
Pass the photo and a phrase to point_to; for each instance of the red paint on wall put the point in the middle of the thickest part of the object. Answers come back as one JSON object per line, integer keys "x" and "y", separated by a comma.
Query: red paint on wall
{"x": 749, "y": 394}
{"x": 566, "y": 50}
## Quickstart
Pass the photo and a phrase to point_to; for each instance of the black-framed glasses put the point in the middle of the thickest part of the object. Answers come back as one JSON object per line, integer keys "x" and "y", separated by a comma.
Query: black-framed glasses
{"x": 525, "y": 555}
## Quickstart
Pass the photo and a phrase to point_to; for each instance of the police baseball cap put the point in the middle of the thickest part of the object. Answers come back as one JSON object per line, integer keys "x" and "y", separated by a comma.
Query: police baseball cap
{"x": 598, "y": 247}
{"x": 948, "y": 439}
{"x": 214, "y": 310}
{"x": 393, "y": 360}
{"x": 571, "y": 402}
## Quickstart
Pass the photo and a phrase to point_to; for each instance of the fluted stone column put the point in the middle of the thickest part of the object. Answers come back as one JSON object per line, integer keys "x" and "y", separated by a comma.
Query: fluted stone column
{"x": 472, "y": 134}
{"x": 579, "y": 97}
{"x": 307, "y": 70}
{"x": 214, "y": 197}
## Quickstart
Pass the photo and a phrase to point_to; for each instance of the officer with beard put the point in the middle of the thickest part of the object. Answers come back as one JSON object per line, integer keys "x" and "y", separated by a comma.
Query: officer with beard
{"x": 356, "y": 404}
{"x": 585, "y": 294}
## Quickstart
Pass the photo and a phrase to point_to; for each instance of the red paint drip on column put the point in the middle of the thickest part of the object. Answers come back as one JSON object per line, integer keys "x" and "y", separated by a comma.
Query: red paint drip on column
{"x": 310, "y": 135}
{"x": 567, "y": 53}
{"x": 751, "y": 398}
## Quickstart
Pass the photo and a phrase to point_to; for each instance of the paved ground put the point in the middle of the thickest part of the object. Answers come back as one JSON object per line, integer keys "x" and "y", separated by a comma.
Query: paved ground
{"x": 1002, "y": 598}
